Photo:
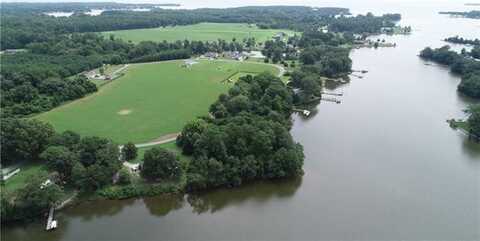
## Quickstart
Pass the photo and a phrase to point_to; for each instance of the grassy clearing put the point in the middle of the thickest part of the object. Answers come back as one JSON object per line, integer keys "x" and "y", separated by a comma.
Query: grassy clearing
{"x": 202, "y": 31}
{"x": 459, "y": 124}
{"x": 169, "y": 146}
{"x": 19, "y": 180}
{"x": 150, "y": 100}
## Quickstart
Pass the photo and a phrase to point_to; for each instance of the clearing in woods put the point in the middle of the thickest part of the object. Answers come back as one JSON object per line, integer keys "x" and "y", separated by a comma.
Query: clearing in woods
{"x": 201, "y": 32}
{"x": 150, "y": 100}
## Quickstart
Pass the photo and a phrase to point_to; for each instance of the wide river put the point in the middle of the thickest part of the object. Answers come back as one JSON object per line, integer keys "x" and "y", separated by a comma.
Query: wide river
{"x": 382, "y": 165}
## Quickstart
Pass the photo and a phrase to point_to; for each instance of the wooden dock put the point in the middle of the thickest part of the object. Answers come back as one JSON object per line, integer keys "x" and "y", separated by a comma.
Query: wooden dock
{"x": 51, "y": 223}
{"x": 304, "y": 112}
{"x": 331, "y": 93}
{"x": 329, "y": 99}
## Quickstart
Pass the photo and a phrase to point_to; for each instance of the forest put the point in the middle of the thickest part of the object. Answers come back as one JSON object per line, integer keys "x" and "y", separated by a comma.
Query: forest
{"x": 468, "y": 68}
{"x": 247, "y": 139}
{"x": 84, "y": 163}
{"x": 20, "y": 28}
{"x": 470, "y": 14}
{"x": 460, "y": 40}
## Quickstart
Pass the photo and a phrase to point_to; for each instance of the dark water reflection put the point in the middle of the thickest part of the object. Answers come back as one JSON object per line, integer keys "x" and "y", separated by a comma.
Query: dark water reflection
{"x": 382, "y": 165}
{"x": 258, "y": 192}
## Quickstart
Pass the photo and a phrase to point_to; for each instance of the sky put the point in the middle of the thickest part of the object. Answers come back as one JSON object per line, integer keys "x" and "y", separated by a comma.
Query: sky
{"x": 257, "y": 2}
{"x": 361, "y": 5}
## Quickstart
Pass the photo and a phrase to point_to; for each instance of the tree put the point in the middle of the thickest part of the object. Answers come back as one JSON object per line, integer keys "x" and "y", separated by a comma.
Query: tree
{"x": 160, "y": 164}
{"x": 190, "y": 134}
{"x": 102, "y": 70}
{"x": 474, "y": 119}
{"x": 68, "y": 139}
{"x": 35, "y": 198}
{"x": 475, "y": 53}
{"x": 251, "y": 141}
{"x": 99, "y": 162}
{"x": 129, "y": 151}
{"x": 60, "y": 159}
{"x": 79, "y": 175}
{"x": 23, "y": 139}
{"x": 124, "y": 177}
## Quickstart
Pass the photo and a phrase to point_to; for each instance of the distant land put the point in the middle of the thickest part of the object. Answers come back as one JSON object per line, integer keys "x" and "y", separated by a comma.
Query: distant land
{"x": 472, "y": 4}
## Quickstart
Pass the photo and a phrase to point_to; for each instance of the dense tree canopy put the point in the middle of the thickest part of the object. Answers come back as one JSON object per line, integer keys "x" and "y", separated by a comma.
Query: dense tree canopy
{"x": 23, "y": 140}
{"x": 363, "y": 23}
{"x": 248, "y": 138}
{"x": 474, "y": 120}
{"x": 470, "y": 14}
{"x": 460, "y": 40}
{"x": 459, "y": 64}
{"x": 31, "y": 200}
{"x": 129, "y": 151}
{"x": 160, "y": 164}
{"x": 22, "y": 27}
{"x": 87, "y": 163}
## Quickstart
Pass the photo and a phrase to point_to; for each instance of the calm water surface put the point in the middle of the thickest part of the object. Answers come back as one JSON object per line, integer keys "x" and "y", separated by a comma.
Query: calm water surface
{"x": 382, "y": 165}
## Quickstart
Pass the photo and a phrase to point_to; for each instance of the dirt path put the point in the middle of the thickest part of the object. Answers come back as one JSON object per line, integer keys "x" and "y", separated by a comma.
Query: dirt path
{"x": 119, "y": 70}
{"x": 160, "y": 140}
{"x": 281, "y": 70}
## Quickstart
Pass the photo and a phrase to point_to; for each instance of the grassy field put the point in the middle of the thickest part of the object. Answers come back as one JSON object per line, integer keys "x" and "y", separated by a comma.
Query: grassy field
{"x": 172, "y": 146}
{"x": 150, "y": 100}
{"x": 17, "y": 181}
{"x": 202, "y": 31}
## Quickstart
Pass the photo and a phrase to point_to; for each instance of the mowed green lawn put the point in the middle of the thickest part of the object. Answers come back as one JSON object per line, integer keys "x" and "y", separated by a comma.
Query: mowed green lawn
{"x": 150, "y": 100}
{"x": 202, "y": 31}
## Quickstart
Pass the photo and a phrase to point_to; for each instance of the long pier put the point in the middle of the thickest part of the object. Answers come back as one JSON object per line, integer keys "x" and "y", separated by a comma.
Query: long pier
{"x": 51, "y": 223}
{"x": 331, "y": 93}
{"x": 329, "y": 99}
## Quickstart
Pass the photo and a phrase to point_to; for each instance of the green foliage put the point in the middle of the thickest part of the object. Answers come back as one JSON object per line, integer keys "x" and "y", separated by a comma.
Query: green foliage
{"x": 248, "y": 140}
{"x": 246, "y": 35}
{"x": 470, "y": 84}
{"x": 313, "y": 37}
{"x": 278, "y": 50}
{"x": 475, "y": 52}
{"x": 67, "y": 138}
{"x": 60, "y": 159}
{"x": 474, "y": 119}
{"x": 459, "y": 64}
{"x": 460, "y": 40}
{"x": 160, "y": 164}
{"x": 23, "y": 139}
{"x": 139, "y": 190}
{"x": 191, "y": 133}
{"x": 124, "y": 177}
{"x": 326, "y": 60}
{"x": 25, "y": 26}
{"x": 363, "y": 23}
{"x": 30, "y": 201}
{"x": 475, "y": 14}
{"x": 129, "y": 151}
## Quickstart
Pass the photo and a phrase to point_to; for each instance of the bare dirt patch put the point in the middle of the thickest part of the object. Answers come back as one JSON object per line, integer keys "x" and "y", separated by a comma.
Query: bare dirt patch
{"x": 124, "y": 112}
